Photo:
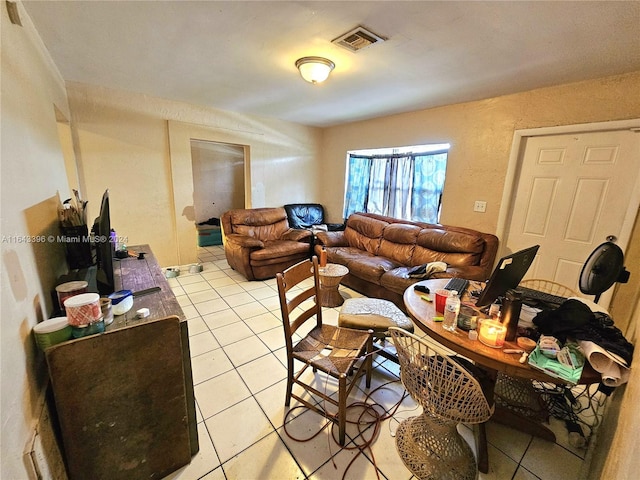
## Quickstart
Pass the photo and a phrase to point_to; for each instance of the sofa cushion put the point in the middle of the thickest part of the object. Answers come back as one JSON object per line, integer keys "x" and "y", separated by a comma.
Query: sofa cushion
{"x": 362, "y": 264}
{"x": 397, "y": 280}
{"x": 261, "y": 223}
{"x": 277, "y": 250}
{"x": 364, "y": 233}
{"x": 398, "y": 242}
{"x": 454, "y": 248}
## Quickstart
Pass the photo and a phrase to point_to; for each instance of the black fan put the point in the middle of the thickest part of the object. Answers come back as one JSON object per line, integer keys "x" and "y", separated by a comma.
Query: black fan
{"x": 603, "y": 268}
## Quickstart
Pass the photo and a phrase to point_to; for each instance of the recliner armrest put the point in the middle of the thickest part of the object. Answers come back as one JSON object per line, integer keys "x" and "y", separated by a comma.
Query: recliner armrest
{"x": 245, "y": 241}
{"x": 296, "y": 235}
{"x": 332, "y": 239}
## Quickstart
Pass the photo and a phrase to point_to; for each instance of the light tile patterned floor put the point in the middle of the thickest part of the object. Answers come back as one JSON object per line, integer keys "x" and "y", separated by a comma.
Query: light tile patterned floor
{"x": 239, "y": 369}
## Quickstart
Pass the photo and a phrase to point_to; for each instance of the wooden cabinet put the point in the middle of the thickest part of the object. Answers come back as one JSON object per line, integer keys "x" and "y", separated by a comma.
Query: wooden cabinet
{"x": 124, "y": 398}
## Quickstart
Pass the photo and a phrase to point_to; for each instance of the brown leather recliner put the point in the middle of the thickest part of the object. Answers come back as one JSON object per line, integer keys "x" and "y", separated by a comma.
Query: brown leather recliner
{"x": 259, "y": 243}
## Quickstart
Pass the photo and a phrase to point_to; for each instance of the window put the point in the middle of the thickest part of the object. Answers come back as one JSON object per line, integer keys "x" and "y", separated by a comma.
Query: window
{"x": 404, "y": 182}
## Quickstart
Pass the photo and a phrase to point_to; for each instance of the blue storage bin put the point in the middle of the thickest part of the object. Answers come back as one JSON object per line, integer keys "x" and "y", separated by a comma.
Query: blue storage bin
{"x": 209, "y": 235}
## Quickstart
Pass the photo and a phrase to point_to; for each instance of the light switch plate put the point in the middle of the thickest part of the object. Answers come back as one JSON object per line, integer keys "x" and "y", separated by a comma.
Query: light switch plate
{"x": 480, "y": 206}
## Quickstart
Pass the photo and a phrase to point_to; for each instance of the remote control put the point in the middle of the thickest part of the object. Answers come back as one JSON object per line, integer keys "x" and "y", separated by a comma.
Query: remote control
{"x": 421, "y": 288}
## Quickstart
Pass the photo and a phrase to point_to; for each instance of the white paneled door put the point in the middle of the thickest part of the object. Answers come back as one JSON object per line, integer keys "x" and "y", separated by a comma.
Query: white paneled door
{"x": 573, "y": 191}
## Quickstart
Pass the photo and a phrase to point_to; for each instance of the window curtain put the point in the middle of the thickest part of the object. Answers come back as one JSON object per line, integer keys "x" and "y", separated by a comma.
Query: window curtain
{"x": 407, "y": 186}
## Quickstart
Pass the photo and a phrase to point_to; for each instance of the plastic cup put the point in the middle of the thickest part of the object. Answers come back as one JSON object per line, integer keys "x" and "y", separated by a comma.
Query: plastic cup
{"x": 441, "y": 298}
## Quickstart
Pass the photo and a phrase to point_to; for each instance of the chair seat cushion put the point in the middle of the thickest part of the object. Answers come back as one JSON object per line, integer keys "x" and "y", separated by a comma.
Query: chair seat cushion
{"x": 372, "y": 313}
{"x": 333, "y": 350}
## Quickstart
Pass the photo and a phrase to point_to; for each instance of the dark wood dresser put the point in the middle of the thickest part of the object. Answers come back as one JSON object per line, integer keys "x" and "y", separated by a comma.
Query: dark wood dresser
{"x": 124, "y": 398}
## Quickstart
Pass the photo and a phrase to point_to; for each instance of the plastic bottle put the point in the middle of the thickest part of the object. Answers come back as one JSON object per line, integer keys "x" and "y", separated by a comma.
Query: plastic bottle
{"x": 451, "y": 311}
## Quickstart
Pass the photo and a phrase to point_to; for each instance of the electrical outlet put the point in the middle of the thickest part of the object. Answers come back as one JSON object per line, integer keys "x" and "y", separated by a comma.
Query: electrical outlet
{"x": 39, "y": 459}
{"x": 480, "y": 206}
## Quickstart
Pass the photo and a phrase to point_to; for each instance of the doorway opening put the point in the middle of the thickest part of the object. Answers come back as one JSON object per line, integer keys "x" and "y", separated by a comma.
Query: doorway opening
{"x": 218, "y": 186}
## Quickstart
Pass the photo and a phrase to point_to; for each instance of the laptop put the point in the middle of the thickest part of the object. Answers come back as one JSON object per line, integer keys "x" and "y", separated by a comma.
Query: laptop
{"x": 509, "y": 272}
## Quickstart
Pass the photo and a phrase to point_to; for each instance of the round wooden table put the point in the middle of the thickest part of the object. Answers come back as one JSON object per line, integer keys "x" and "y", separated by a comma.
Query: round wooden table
{"x": 422, "y": 314}
{"x": 492, "y": 360}
{"x": 330, "y": 276}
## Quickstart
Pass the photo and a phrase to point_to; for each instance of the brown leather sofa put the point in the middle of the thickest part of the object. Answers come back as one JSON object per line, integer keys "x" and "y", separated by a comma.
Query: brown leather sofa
{"x": 379, "y": 251}
{"x": 259, "y": 243}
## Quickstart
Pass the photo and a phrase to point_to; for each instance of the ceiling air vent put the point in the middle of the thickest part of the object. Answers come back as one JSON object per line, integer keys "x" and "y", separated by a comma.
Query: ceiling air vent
{"x": 357, "y": 39}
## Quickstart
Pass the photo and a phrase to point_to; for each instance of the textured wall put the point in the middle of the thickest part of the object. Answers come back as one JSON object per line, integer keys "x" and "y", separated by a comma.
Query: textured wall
{"x": 480, "y": 134}
{"x": 139, "y": 147}
{"x": 33, "y": 180}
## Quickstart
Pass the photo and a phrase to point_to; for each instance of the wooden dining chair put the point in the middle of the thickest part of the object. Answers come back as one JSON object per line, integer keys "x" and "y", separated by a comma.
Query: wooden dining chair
{"x": 449, "y": 393}
{"x": 343, "y": 354}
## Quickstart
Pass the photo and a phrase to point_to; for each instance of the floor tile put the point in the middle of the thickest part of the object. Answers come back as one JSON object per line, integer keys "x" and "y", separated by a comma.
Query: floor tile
{"x": 211, "y": 306}
{"x": 246, "y": 350}
{"x": 203, "y": 296}
{"x": 238, "y": 427}
{"x": 550, "y": 461}
{"x": 220, "y": 393}
{"x": 202, "y": 343}
{"x": 262, "y": 372}
{"x": 232, "y": 333}
{"x": 204, "y": 462}
{"x": 266, "y": 459}
{"x": 221, "y": 318}
{"x": 239, "y": 367}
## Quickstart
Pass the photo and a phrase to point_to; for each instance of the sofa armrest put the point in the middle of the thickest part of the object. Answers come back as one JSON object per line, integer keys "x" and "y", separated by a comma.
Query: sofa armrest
{"x": 297, "y": 235}
{"x": 332, "y": 239}
{"x": 244, "y": 241}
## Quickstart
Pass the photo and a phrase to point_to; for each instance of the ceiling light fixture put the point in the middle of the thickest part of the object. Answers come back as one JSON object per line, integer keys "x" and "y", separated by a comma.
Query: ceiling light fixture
{"x": 315, "y": 69}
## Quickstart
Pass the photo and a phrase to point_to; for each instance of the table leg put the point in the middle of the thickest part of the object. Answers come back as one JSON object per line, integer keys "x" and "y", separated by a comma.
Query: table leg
{"x": 481, "y": 445}
{"x": 508, "y": 417}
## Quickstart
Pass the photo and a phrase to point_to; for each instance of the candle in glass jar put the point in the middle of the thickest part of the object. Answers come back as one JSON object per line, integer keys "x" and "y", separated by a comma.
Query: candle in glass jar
{"x": 492, "y": 333}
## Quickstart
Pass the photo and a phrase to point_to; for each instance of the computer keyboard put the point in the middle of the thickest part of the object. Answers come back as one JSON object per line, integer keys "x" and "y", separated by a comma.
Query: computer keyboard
{"x": 537, "y": 296}
{"x": 458, "y": 284}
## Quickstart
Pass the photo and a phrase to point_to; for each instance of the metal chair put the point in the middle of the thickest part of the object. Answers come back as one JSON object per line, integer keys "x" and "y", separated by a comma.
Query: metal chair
{"x": 341, "y": 353}
{"x": 429, "y": 444}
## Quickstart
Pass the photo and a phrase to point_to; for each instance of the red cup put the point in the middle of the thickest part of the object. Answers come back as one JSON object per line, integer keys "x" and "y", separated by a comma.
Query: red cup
{"x": 441, "y": 298}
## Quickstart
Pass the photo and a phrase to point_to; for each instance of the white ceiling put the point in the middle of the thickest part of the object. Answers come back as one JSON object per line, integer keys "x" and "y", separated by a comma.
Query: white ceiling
{"x": 240, "y": 55}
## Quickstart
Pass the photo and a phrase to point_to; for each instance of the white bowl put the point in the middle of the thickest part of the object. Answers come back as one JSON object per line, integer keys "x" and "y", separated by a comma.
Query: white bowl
{"x": 121, "y": 301}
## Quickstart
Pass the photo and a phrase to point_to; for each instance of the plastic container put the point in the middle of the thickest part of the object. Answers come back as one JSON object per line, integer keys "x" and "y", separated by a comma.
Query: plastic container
{"x": 51, "y": 332}
{"x": 121, "y": 301}
{"x": 107, "y": 311}
{"x": 86, "y": 330}
{"x": 83, "y": 309}
{"x": 69, "y": 289}
{"x": 451, "y": 311}
{"x": 467, "y": 318}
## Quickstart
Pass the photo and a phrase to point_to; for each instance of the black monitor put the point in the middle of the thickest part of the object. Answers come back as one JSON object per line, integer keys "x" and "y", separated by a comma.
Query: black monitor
{"x": 105, "y": 249}
{"x": 508, "y": 273}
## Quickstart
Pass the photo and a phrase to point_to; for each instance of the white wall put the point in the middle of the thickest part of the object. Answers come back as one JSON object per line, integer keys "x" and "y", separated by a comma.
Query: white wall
{"x": 218, "y": 178}
{"x": 140, "y": 148}
{"x": 33, "y": 179}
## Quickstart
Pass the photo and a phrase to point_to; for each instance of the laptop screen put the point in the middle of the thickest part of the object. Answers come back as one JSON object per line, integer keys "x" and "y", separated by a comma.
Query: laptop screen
{"x": 508, "y": 273}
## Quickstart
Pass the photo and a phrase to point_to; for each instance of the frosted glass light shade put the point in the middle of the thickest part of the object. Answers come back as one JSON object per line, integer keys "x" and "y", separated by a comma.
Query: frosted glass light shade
{"x": 315, "y": 69}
